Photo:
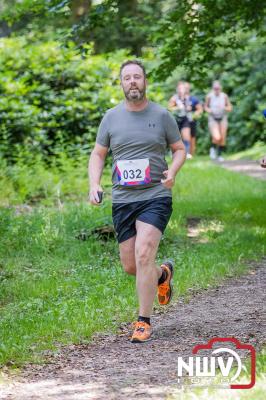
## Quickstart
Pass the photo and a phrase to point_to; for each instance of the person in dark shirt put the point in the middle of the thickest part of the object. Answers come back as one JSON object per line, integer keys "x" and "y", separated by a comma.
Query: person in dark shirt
{"x": 180, "y": 108}
{"x": 193, "y": 116}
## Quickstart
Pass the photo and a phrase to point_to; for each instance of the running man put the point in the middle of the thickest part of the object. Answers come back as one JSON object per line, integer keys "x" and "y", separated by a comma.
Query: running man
{"x": 193, "y": 116}
{"x": 180, "y": 107}
{"x": 138, "y": 132}
{"x": 217, "y": 105}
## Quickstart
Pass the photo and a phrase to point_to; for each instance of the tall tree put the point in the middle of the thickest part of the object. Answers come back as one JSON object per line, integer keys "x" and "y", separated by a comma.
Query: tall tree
{"x": 110, "y": 24}
{"x": 192, "y": 31}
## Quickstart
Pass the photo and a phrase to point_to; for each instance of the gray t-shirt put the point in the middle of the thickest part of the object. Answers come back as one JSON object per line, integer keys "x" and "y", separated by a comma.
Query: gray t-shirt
{"x": 142, "y": 136}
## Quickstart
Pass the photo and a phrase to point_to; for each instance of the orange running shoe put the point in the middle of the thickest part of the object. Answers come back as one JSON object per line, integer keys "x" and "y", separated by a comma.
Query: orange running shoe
{"x": 165, "y": 289}
{"x": 142, "y": 332}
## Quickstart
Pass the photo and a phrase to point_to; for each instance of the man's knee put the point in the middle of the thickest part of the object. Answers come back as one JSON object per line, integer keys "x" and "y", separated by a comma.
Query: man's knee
{"x": 216, "y": 138}
{"x": 144, "y": 252}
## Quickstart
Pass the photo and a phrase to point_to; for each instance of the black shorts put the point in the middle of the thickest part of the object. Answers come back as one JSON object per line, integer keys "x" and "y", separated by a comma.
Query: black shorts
{"x": 156, "y": 212}
{"x": 193, "y": 128}
{"x": 182, "y": 122}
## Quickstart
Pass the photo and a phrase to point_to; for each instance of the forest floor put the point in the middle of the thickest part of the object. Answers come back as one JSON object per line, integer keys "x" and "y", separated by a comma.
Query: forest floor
{"x": 111, "y": 367}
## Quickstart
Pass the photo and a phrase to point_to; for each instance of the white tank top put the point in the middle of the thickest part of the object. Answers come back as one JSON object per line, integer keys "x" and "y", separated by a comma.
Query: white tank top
{"x": 182, "y": 106}
{"x": 217, "y": 104}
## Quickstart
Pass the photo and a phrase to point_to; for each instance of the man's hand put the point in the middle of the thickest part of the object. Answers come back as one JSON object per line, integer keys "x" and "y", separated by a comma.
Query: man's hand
{"x": 196, "y": 116}
{"x": 93, "y": 195}
{"x": 263, "y": 162}
{"x": 96, "y": 164}
{"x": 169, "y": 180}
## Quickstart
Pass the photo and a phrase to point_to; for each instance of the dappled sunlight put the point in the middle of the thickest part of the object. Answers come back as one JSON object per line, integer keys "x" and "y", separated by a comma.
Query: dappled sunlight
{"x": 57, "y": 389}
{"x": 247, "y": 167}
{"x": 201, "y": 230}
{"x": 256, "y": 393}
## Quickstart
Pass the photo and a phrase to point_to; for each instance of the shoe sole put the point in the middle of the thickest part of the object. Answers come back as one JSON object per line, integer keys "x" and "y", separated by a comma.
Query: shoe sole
{"x": 140, "y": 341}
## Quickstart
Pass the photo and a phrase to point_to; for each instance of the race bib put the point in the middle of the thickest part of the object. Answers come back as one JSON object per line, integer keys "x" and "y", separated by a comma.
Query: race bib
{"x": 133, "y": 172}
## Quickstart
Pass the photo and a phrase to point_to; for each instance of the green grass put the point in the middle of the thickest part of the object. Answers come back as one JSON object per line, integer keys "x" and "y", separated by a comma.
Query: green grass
{"x": 31, "y": 182}
{"x": 256, "y": 152}
{"x": 55, "y": 288}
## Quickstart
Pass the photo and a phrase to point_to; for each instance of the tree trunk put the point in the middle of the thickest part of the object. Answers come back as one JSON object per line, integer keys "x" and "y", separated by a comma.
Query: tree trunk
{"x": 79, "y": 9}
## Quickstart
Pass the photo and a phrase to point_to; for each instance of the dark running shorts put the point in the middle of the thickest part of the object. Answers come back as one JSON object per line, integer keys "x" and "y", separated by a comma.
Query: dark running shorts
{"x": 182, "y": 123}
{"x": 156, "y": 212}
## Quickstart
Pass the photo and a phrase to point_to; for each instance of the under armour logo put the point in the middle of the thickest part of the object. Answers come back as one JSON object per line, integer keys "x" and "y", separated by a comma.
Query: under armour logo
{"x": 151, "y": 125}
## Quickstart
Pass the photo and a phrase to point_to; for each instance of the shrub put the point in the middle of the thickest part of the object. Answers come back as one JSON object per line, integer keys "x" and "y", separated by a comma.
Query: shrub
{"x": 53, "y": 97}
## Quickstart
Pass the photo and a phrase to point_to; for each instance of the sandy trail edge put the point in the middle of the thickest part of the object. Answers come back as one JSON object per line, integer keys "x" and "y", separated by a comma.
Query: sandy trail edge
{"x": 246, "y": 167}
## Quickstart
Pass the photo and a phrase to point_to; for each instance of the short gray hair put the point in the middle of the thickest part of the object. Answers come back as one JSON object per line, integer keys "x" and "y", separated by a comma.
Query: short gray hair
{"x": 135, "y": 62}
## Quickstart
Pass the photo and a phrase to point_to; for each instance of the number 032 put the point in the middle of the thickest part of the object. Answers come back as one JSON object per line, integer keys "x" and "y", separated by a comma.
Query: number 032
{"x": 131, "y": 174}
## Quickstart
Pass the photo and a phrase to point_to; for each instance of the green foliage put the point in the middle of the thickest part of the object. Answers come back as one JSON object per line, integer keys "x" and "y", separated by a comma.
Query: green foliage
{"x": 255, "y": 153}
{"x": 25, "y": 11}
{"x": 191, "y": 33}
{"x": 55, "y": 288}
{"x": 53, "y": 98}
{"x": 53, "y": 95}
{"x": 126, "y": 23}
{"x": 245, "y": 80}
{"x": 30, "y": 181}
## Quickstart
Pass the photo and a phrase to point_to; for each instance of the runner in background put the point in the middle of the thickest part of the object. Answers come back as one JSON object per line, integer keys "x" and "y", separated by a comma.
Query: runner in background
{"x": 193, "y": 116}
{"x": 263, "y": 162}
{"x": 217, "y": 105}
{"x": 181, "y": 108}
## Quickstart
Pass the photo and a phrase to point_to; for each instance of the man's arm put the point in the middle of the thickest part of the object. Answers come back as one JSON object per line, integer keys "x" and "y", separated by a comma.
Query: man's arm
{"x": 228, "y": 105}
{"x": 172, "y": 104}
{"x": 95, "y": 170}
{"x": 178, "y": 159}
{"x": 198, "y": 111}
{"x": 207, "y": 105}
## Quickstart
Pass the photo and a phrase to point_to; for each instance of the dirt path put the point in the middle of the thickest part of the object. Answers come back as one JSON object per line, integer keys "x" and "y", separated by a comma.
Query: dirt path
{"x": 247, "y": 167}
{"x": 113, "y": 368}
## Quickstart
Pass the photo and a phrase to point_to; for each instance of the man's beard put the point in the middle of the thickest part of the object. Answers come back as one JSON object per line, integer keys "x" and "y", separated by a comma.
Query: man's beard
{"x": 135, "y": 95}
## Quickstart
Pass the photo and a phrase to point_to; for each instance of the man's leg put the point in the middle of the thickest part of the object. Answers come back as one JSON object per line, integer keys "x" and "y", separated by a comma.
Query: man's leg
{"x": 185, "y": 133}
{"x": 146, "y": 246}
{"x": 127, "y": 255}
{"x": 223, "y": 131}
{"x": 224, "y": 127}
{"x": 151, "y": 279}
{"x": 193, "y": 145}
{"x": 193, "y": 132}
{"x": 215, "y": 132}
{"x": 216, "y": 137}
